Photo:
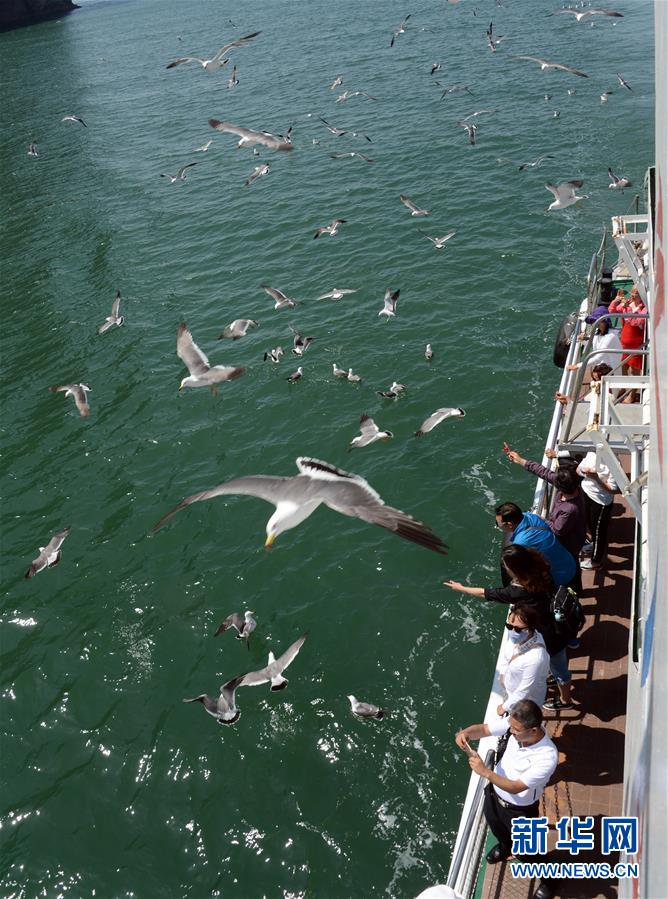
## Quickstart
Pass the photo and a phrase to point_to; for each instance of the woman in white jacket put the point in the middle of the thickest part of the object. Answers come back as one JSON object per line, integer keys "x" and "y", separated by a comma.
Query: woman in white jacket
{"x": 524, "y": 664}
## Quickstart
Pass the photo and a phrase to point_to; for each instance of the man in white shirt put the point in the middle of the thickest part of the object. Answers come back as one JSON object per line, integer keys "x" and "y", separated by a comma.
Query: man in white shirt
{"x": 605, "y": 338}
{"x": 519, "y": 776}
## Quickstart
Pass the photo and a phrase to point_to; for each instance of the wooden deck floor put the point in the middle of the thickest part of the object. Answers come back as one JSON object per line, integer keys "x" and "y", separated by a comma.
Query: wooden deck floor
{"x": 590, "y": 737}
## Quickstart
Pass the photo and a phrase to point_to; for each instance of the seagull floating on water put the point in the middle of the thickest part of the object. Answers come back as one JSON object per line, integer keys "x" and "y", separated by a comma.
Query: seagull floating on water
{"x": 49, "y": 555}
{"x": 369, "y": 433}
{"x": 337, "y": 293}
{"x": 428, "y": 353}
{"x": 365, "y": 709}
{"x": 78, "y": 391}
{"x": 409, "y": 204}
{"x": 390, "y": 303}
{"x": 180, "y": 175}
{"x": 248, "y": 137}
{"x": 393, "y": 392}
{"x": 544, "y": 64}
{"x": 617, "y": 183}
{"x": 217, "y": 61}
{"x": 339, "y": 372}
{"x": 238, "y": 328}
{"x": 202, "y": 373}
{"x": 114, "y": 318}
{"x": 318, "y": 482}
{"x": 32, "y": 149}
{"x": 436, "y": 418}
{"x": 74, "y": 118}
{"x": 439, "y": 242}
{"x": 243, "y": 624}
{"x": 565, "y": 194}
{"x": 257, "y": 172}
{"x": 281, "y": 301}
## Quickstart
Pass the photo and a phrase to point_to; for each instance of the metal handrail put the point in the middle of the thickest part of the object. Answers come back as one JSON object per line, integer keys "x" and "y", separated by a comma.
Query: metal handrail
{"x": 579, "y": 376}
{"x": 468, "y": 847}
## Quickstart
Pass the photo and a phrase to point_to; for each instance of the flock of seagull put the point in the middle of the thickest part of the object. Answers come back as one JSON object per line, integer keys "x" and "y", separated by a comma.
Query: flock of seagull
{"x": 317, "y": 483}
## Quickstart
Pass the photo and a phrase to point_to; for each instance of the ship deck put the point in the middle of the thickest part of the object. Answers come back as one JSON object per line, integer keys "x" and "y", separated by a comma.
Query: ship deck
{"x": 590, "y": 736}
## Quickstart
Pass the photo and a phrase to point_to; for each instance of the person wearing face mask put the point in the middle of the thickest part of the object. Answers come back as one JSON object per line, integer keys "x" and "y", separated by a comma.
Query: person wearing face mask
{"x": 516, "y": 782}
{"x": 524, "y": 663}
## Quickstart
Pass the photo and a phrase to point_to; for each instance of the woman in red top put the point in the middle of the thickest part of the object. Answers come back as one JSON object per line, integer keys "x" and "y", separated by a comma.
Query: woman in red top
{"x": 633, "y": 334}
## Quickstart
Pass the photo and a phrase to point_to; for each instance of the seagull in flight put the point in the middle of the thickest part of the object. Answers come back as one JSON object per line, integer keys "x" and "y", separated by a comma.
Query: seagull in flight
{"x": 605, "y": 95}
{"x": 623, "y": 83}
{"x": 74, "y": 118}
{"x": 300, "y": 344}
{"x": 318, "y": 482}
{"x": 477, "y": 113}
{"x": 32, "y": 149}
{"x": 347, "y": 95}
{"x": 238, "y": 328}
{"x": 332, "y": 229}
{"x": 400, "y": 30}
{"x": 536, "y": 163}
{"x": 365, "y": 709}
{"x": 337, "y": 81}
{"x": 203, "y": 148}
{"x": 223, "y": 707}
{"x": 202, "y": 373}
{"x": 78, "y": 391}
{"x": 436, "y": 418}
{"x": 274, "y": 355}
{"x": 337, "y": 293}
{"x": 273, "y": 671}
{"x": 452, "y": 88}
{"x": 49, "y": 555}
{"x": 233, "y": 81}
{"x": 243, "y": 624}
{"x": 393, "y": 391}
{"x": 565, "y": 194}
{"x": 470, "y": 130}
{"x": 390, "y": 303}
{"x": 215, "y": 63}
{"x": 248, "y": 137}
{"x": 439, "y": 242}
{"x": 409, "y": 204}
{"x": 257, "y": 172}
{"x": 428, "y": 353}
{"x": 180, "y": 175}
{"x": 339, "y": 132}
{"x": 281, "y": 301}
{"x": 435, "y": 67}
{"x": 114, "y": 318}
{"x": 351, "y": 155}
{"x": 617, "y": 183}
{"x": 586, "y": 13}
{"x": 296, "y": 375}
{"x": 544, "y": 64}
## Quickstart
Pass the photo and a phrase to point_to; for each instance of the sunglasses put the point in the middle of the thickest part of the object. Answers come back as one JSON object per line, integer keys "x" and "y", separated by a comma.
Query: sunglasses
{"x": 519, "y": 630}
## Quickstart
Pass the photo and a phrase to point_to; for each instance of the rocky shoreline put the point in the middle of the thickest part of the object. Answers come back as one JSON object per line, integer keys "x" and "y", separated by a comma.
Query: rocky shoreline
{"x": 17, "y": 13}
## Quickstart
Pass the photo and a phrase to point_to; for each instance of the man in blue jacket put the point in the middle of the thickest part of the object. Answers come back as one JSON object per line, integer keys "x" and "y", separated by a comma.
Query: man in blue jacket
{"x": 532, "y": 531}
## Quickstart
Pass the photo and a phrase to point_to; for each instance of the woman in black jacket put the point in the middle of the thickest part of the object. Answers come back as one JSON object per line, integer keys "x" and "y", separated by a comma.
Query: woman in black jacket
{"x": 531, "y": 584}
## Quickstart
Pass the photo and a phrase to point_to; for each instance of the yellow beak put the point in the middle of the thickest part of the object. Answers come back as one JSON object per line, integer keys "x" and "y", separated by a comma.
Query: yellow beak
{"x": 269, "y": 542}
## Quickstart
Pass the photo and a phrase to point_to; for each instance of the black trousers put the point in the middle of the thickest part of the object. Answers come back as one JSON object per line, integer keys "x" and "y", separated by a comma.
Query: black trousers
{"x": 598, "y": 519}
{"x": 499, "y": 818}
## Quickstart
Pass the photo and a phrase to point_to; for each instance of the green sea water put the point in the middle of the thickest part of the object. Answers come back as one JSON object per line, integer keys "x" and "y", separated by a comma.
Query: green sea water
{"x": 111, "y": 786}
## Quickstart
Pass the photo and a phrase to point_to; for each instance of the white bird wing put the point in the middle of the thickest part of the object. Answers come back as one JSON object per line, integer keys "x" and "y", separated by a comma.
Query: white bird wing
{"x": 563, "y": 68}
{"x": 236, "y": 620}
{"x": 264, "y": 675}
{"x": 437, "y": 417}
{"x": 264, "y": 487}
{"x": 80, "y": 400}
{"x": 409, "y": 203}
{"x": 189, "y": 353}
{"x": 368, "y": 427}
{"x": 182, "y": 59}
{"x": 238, "y": 43}
{"x": 274, "y": 293}
{"x": 116, "y": 305}
{"x": 390, "y": 300}
{"x": 184, "y": 168}
{"x": 51, "y": 547}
